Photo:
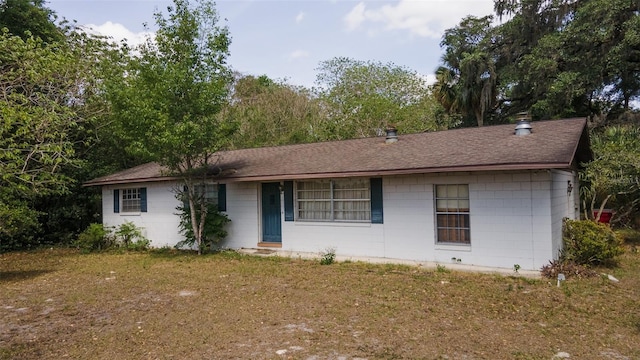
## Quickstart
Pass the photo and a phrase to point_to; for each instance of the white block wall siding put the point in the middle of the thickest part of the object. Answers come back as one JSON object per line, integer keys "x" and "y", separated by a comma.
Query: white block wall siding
{"x": 159, "y": 223}
{"x": 515, "y": 218}
{"x": 563, "y": 204}
{"x": 244, "y": 212}
{"x": 511, "y": 219}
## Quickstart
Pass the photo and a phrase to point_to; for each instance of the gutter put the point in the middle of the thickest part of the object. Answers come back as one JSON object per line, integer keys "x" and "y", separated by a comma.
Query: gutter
{"x": 370, "y": 173}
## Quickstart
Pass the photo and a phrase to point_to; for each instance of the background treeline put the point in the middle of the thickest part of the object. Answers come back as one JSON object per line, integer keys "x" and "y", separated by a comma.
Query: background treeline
{"x": 552, "y": 58}
{"x": 556, "y": 59}
{"x": 68, "y": 101}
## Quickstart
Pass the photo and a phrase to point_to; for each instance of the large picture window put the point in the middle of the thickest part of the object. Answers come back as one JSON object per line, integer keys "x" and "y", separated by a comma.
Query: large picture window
{"x": 452, "y": 214}
{"x": 347, "y": 200}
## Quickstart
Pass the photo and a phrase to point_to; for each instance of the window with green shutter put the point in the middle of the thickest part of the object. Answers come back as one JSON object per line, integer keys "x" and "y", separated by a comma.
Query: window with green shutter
{"x": 338, "y": 200}
{"x": 130, "y": 200}
{"x": 213, "y": 194}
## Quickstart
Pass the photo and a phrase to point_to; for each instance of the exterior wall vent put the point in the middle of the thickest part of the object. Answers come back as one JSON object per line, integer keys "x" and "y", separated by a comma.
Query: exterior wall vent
{"x": 392, "y": 135}
{"x": 523, "y": 126}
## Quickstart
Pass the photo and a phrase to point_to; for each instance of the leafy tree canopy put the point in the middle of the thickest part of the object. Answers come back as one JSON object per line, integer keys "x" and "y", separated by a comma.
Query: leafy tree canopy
{"x": 467, "y": 82}
{"x": 268, "y": 112}
{"x": 555, "y": 59}
{"x": 363, "y": 98}
{"x": 167, "y": 102}
{"x": 49, "y": 105}
{"x": 27, "y": 18}
{"x": 612, "y": 179}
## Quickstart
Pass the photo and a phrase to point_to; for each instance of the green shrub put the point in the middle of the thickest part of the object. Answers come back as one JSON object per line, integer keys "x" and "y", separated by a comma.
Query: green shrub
{"x": 130, "y": 237}
{"x": 328, "y": 256}
{"x": 95, "y": 238}
{"x": 19, "y": 226}
{"x": 442, "y": 269}
{"x": 141, "y": 244}
{"x": 214, "y": 227}
{"x": 589, "y": 243}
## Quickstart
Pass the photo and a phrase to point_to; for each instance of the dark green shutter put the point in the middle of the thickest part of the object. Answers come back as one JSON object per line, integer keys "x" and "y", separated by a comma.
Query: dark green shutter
{"x": 288, "y": 201}
{"x": 222, "y": 197}
{"x": 376, "y": 201}
{"x": 116, "y": 201}
{"x": 143, "y": 199}
{"x": 185, "y": 199}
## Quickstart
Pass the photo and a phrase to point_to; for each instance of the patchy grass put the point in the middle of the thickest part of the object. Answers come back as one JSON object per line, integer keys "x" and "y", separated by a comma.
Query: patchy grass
{"x": 168, "y": 305}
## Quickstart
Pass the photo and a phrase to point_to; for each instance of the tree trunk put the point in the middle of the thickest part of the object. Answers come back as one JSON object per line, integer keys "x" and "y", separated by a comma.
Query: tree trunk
{"x": 602, "y": 205}
{"x": 194, "y": 221}
{"x": 201, "y": 222}
{"x": 479, "y": 118}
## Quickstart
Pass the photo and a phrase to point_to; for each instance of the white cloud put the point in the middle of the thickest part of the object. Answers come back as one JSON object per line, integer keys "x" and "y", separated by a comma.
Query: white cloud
{"x": 299, "y": 17}
{"x": 119, "y": 32}
{"x": 427, "y": 18}
{"x": 355, "y": 17}
{"x": 430, "y": 79}
{"x": 297, "y": 54}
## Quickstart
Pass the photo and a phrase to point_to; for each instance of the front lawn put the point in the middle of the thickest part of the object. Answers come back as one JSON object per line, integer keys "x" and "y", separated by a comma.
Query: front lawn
{"x": 58, "y": 304}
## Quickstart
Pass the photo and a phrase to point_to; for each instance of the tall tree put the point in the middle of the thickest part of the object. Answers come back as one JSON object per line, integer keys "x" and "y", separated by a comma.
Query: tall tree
{"x": 27, "y": 18}
{"x": 568, "y": 58}
{"x": 268, "y": 112}
{"x": 48, "y": 107}
{"x": 167, "y": 104}
{"x": 467, "y": 81}
{"x": 362, "y": 98}
{"x": 556, "y": 58}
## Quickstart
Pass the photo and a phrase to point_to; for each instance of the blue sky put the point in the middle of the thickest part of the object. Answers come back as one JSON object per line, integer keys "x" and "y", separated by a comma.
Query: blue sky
{"x": 288, "y": 39}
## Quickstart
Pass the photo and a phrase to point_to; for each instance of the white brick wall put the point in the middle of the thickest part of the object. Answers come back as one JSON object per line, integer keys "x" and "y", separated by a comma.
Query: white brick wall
{"x": 563, "y": 204}
{"x": 159, "y": 223}
{"x": 408, "y": 217}
{"x": 515, "y": 218}
{"x": 242, "y": 209}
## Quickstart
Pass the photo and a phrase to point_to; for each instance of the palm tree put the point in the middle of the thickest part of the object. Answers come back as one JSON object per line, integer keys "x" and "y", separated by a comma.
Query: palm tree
{"x": 471, "y": 91}
{"x": 467, "y": 80}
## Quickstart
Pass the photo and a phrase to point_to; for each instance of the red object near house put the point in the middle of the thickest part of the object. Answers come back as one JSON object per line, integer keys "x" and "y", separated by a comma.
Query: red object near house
{"x": 605, "y": 216}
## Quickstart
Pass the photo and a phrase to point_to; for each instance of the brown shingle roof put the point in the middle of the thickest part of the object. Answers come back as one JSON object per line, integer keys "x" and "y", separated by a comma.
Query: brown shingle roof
{"x": 555, "y": 144}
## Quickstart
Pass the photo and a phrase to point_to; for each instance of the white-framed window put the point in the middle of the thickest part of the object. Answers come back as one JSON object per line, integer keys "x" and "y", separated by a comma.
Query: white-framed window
{"x": 130, "y": 200}
{"x": 346, "y": 200}
{"x": 208, "y": 191}
{"x": 213, "y": 194}
{"x": 452, "y": 214}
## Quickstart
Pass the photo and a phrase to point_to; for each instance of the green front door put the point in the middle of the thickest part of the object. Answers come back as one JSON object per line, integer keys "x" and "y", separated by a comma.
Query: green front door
{"x": 271, "y": 223}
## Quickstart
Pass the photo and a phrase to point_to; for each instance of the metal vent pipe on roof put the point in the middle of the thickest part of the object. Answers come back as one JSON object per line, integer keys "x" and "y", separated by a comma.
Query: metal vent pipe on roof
{"x": 523, "y": 126}
{"x": 392, "y": 135}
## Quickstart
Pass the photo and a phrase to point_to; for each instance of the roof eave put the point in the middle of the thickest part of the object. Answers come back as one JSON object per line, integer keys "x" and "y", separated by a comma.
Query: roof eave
{"x": 130, "y": 181}
{"x": 501, "y": 167}
{"x": 390, "y": 172}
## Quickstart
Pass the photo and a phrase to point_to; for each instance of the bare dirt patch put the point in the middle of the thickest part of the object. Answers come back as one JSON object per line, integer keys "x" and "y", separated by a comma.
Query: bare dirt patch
{"x": 61, "y": 304}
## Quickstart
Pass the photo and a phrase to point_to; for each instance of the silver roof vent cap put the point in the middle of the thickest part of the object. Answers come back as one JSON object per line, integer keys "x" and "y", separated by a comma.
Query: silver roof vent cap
{"x": 392, "y": 134}
{"x": 523, "y": 127}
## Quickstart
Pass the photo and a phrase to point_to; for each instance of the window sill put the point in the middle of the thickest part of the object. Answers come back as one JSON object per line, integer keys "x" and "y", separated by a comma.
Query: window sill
{"x": 453, "y": 247}
{"x": 332, "y": 223}
{"x": 130, "y": 213}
